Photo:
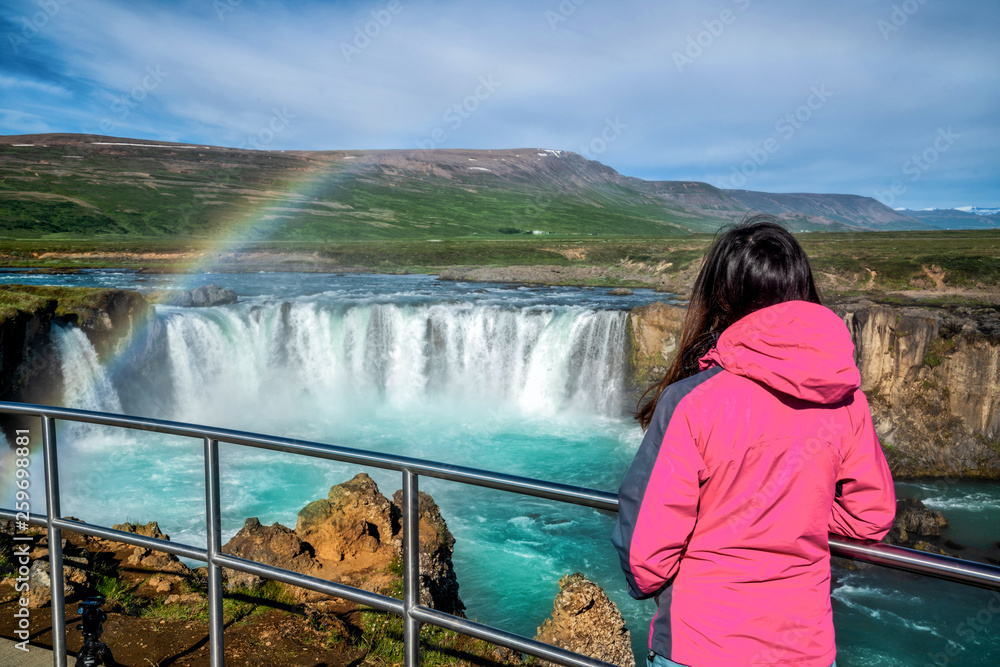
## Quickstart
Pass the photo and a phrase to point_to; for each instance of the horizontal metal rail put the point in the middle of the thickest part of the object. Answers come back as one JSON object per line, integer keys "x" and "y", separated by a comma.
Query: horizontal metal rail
{"x": 942, "y": 567}
{"x": 958, "y": 570}
{"x": 525, "y": 485}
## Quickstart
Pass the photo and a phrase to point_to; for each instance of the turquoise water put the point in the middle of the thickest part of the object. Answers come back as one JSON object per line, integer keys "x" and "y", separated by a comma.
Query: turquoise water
{"x": 524, "y": 381}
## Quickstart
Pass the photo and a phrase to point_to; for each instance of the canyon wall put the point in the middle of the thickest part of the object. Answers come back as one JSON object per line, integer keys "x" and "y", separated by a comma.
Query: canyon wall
{"x": 933, "y": 379}
{"x": 932, "y": 376}
{"x": 29, "y": 361}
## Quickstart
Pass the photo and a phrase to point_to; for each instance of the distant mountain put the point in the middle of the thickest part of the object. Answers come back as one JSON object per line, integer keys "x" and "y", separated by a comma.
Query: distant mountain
{"x": 977, "y": 210}
{"x": 87, "y": 184}
{"x": 965, "y": 217}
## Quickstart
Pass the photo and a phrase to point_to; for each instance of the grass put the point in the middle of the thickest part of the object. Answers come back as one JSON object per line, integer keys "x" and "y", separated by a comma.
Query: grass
{"x": 843, "y": 261}
{"x": 936, "y": 351}
{"x": 13, "y": 301}
{"x": 968, "y": 258}
{"x": 382, "y": 639}
{"x": 382, "y": 635}
{"x": 30, "y": 298}
{"x": 165, "y": 193}
{"x": 118, "y": 592}
{"x": 236, "y": 606}
{"x": 7, "y": 566}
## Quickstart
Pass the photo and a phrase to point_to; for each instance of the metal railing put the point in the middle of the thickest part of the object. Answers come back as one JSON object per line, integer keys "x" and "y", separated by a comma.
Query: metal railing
{"x": 413, "y": 614}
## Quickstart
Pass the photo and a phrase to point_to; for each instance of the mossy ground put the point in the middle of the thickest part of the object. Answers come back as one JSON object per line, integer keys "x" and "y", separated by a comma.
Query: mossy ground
{"x": 846, "y": 262}
{"x": 29, "y": 298}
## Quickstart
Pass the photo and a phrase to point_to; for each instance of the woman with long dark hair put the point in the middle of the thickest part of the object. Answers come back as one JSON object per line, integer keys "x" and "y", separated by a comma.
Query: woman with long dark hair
{"x": 759, "y": 443}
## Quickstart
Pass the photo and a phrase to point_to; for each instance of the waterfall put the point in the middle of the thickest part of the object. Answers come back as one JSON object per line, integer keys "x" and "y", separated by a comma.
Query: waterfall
{"x": 87, "y": 385}
{"x": 230, "y": 362}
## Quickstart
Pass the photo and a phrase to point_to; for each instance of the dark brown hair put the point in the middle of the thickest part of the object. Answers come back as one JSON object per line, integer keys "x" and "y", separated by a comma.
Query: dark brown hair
{"x": 753, "y": 264}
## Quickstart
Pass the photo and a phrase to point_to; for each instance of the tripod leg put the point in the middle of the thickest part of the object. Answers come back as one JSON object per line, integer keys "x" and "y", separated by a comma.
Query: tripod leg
{"x": 85, "y": 657}
{"x": 107, "y": 659}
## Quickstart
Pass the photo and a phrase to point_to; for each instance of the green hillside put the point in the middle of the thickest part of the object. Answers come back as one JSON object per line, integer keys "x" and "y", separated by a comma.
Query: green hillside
{"x": 84, "y": 186}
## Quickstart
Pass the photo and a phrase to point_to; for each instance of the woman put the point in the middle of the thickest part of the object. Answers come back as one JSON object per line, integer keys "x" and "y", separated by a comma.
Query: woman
{"x": 759, "y": 442}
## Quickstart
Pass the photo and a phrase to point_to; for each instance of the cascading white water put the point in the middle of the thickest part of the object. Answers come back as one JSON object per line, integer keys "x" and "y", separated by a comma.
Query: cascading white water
{"x": 543, "y": 360}
{"x": 87, "y": 385}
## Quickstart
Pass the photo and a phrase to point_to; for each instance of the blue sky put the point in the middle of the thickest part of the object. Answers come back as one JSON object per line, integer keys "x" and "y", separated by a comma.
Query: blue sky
{"x": 898, "y": 99}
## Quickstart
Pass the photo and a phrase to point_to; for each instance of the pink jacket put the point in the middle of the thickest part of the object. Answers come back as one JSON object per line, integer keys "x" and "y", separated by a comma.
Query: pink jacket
{"x": 743, "y": 472}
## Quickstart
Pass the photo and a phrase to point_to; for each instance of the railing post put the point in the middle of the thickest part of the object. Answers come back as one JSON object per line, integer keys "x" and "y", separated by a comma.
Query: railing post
{"x": 411, "y": 568}
{"x": 214, "y": 530}
{"x": 52, "y": 511}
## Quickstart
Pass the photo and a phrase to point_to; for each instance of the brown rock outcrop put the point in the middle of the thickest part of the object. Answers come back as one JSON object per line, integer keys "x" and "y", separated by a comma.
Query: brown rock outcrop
{"x": 273, "y": 545}
{"x": 913, "y": 521}
{"x": 77, "y": 566}
{"x": 149, "y": 559}
{"x": 76, "y": 577}
{"x": 585, "y": 620}
{"x": 438, "y": 583}
{"x": 355, "y": 528}
{"x": 353, "y": 536}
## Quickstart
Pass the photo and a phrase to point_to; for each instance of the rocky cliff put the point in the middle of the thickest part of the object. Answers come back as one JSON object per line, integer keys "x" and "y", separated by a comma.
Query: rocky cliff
{"x": 932, "y": 376}
{"x": 652, "y": 335}
{"x": 29, "y": 361}
{"x": 933, "y": 379}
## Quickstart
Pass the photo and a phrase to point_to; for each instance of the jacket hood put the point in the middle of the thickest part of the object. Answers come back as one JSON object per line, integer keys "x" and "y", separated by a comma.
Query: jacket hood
{"x": 798, "y": 348}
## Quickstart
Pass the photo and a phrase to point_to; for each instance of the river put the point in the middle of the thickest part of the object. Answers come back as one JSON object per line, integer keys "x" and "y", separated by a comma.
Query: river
{"x": 520, "y": 380}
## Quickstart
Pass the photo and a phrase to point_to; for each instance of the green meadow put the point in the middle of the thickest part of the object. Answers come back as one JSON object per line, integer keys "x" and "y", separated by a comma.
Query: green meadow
{"x": 844, "y": 261}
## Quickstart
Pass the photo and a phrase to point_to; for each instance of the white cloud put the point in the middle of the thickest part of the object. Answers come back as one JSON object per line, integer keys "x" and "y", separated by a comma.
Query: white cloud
{"x": 558, "y": 87}
{"x": 12, "y": 82}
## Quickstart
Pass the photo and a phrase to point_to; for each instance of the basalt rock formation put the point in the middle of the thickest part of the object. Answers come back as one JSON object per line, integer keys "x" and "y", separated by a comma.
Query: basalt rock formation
{"x": 932, "y": 376}
{"x": 27, "y": 356}
{"x": 29, "y": 361}
{"x": 273, "y": 545}
{"x": 914, "y": 521}
{"x": 354, "y": 536}
{"x": 205, "y": 296}
{"x": 586, "y": 621}
{"x": 918, "y": 527}
{"x": 652, "y": 337}
{"x": 438, "y": 583}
